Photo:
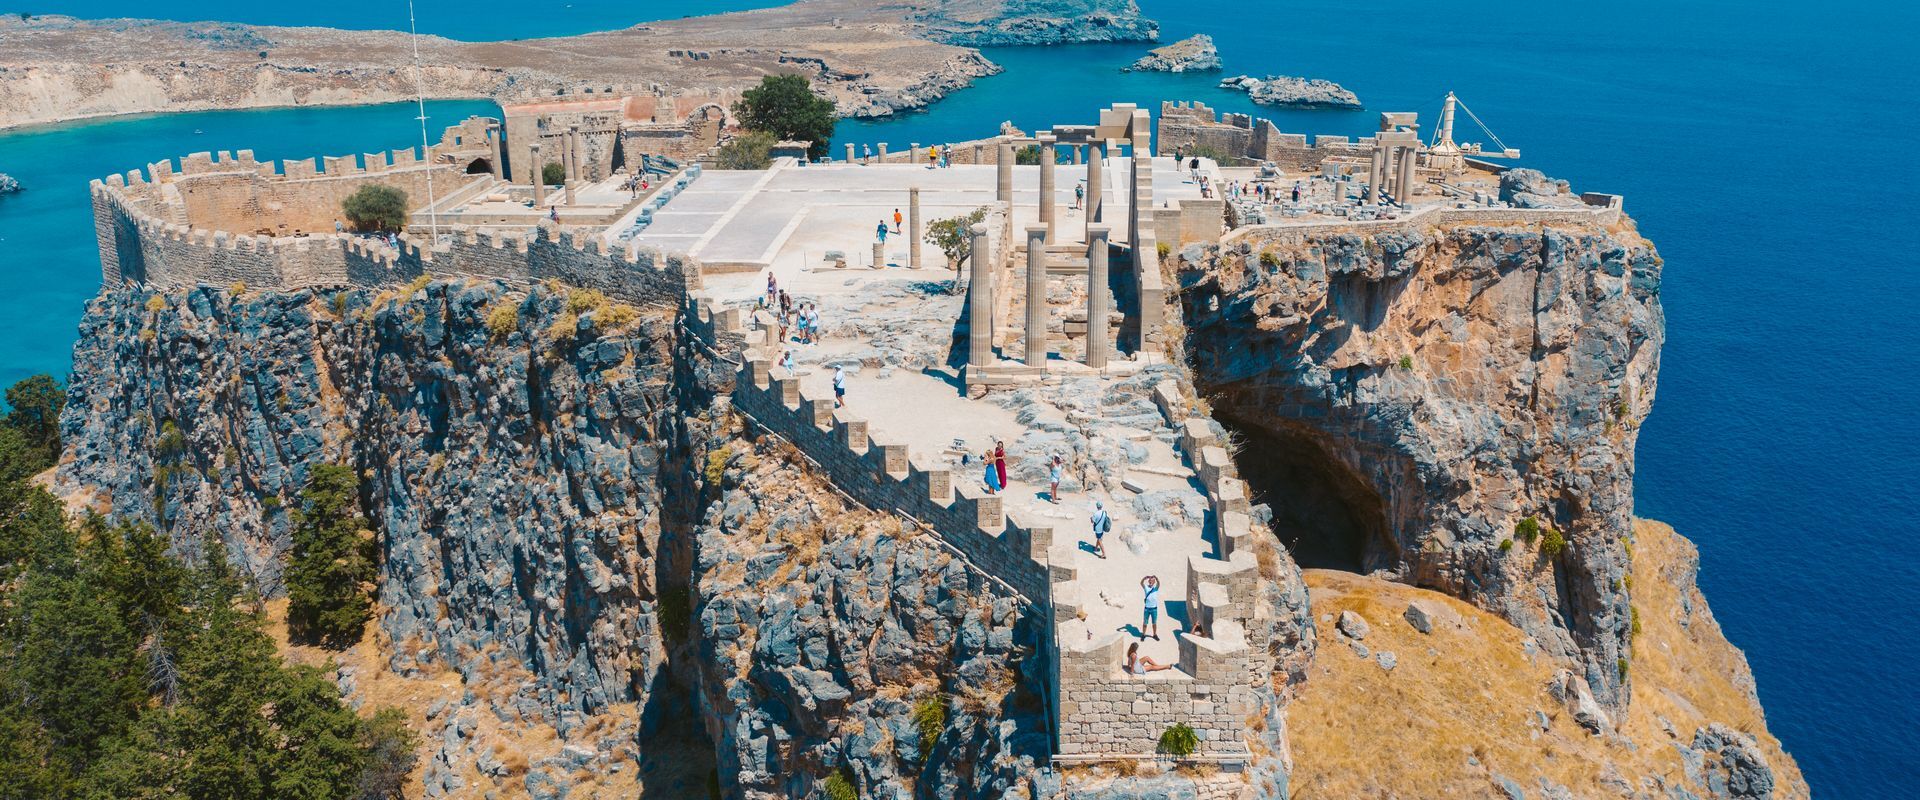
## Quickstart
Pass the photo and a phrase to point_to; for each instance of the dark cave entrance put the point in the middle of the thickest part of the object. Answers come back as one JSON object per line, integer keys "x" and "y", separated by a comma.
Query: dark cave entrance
{"x": 479, "y": 166}
{"x": 1327, "y": 516}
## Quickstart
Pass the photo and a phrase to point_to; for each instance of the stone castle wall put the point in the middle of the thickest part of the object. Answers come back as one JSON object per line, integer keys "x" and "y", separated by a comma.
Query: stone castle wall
{"x": 1184, "y": 126}
{"x": 139, "y": 245}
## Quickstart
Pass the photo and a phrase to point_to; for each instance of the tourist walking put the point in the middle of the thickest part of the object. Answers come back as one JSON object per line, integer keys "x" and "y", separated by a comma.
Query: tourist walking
{"x": 1296, "y": 192}
{"x": 896, "y": 220}
{"x": 882, "y": 231}
{"x": 933, "y": 156}
{"x": 786, "y": 303}
{"x": 866, "y": 153}
{"x": 840, "y": 391}
{"x": 946, "y": 155}
{"x": 993, "y": 475}
{"x": 1056, "y": 467}
{"x": 1079, "y": 193}
{"x": 1000, "y": 462}
{"x": 1101, "y": 524}
{"x": 786, "y": 362}
{"x": 1150, "y": 603}
{"x": 773, "y": 289}
{"x": 1140, "y": 665}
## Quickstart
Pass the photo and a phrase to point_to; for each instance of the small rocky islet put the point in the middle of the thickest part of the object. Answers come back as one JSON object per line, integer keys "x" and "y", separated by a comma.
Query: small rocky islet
{"x": 1293, "y": 92}
{"x": 1195, "y": 53}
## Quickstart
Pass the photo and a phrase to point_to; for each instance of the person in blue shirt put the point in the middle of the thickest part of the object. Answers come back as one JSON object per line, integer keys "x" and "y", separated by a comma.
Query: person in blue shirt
{"x": 1151, "y": 602}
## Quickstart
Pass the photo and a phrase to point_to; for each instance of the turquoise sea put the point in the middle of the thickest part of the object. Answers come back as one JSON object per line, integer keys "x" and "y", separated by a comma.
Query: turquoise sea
{"x": 1764, "y": 146}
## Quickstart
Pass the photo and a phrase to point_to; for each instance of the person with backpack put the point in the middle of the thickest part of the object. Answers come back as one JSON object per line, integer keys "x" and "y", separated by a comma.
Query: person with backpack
{"x": 1101, "y": 524}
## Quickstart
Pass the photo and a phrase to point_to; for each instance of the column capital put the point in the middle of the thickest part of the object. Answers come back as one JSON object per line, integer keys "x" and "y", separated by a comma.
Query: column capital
{"x": 1036, "y": 231}
{"x": 979, "y": 229}
{"x": 1045, "y": 138}
{"x": 1098, "y": 230}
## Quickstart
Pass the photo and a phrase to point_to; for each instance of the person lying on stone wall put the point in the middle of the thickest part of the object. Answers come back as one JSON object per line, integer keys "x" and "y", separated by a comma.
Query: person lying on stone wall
{"x": 1140, "y": 665}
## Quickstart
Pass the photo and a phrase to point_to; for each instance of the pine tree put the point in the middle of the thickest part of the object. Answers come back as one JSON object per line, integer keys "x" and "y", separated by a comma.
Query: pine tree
{"x": 332, "y": 566}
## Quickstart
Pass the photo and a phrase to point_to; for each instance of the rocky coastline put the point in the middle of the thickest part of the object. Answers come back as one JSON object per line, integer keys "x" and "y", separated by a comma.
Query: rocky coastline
{"x": 1294, "y": 92}
{"x": 1195, "y": 53}
{"x": 8, "y": 184}
{"x": 871, "y": 61}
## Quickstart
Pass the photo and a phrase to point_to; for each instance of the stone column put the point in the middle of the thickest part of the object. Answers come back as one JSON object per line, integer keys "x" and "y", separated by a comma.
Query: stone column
{"x": 1037, "y": 296}
{"x": 535, "y": 166}
{"x": 1097, "y": 295}
{"x": 914, "y": 234}
{"x": 1003, "y": 186}
{"x": 1408, "y": 157}
{"x": 883, "y": 152}
{"x": 980, "y": 302}
{"x": 1078, "y": 155}
{"x": 913, "y": 153}
{"x": 879, "y": 255}
{"x": 849, "y": 154}
{"x": 1374, "y": 177}
{"x": 1096, "y": 189}
{"x": 494, "y": 151}
{"x": 1047, "y": 157}
{"x": 572, "y": 148}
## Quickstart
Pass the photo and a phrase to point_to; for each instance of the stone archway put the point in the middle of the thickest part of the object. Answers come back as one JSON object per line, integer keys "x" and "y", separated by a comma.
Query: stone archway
{"x": 479, "y": 166}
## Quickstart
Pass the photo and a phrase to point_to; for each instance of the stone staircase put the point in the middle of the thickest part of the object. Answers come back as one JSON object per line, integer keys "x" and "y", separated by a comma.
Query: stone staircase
{"x": 1099, "y": 713}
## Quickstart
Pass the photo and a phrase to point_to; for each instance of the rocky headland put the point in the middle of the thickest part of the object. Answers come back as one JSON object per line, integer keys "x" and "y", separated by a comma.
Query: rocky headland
{"x": 1286, "y": 90}
{"x": 871, "y": 60}
{"x": 1195, "y": 53}
{"x": 8, "y": 184}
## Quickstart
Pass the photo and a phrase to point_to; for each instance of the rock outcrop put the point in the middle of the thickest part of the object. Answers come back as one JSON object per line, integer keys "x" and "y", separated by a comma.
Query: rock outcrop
{"x": 1285, "y": 90}
{"x": 1530, "y": 188}
{"x": 1413, "y": 397}
{"x": 8, "y": 184}
{"x": 1195, "y": 53}
{"x": 993, "y": 23}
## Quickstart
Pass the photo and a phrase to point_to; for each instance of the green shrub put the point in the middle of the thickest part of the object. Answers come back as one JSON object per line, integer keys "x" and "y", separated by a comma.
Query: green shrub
{"x": 930, "y": 718}
{"x": 840, "y": 787}
{"x": 751, "y": 150}
{"x": 1163, "y": 250}
{"x": 157, "y": 303}
{"x": 172, "y": 442}
{"x": 717, "y": 464}
{"x": 1622, "y": 665}
{"x": 1527, "y": 529}
{"x": 785, "y": 107}
{"x": 954, "y": 235}
{"x": 1208, "y": 151}
{"x": 1179, "y": 740}
{"x": 1027, "y": 155}
{"x": 1269, "y": 259}
{"x": 1634, "y": 611}
{"x": 580, "y": 301}
{"x": 553, "y": 173}
{"x": 1406, "y": 363}
{"x": 503, "y": 318}
{"x": 1505, "y": 545}
{"x": 376, "y": 208}
{"x": 1552, "y": 543}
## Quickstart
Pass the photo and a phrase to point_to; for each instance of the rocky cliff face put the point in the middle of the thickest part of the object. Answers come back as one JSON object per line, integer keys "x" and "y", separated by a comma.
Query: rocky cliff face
{"x": 517, "y": 479}
{"x": 1411, "y": 399}
{"x": 989, "y": 23}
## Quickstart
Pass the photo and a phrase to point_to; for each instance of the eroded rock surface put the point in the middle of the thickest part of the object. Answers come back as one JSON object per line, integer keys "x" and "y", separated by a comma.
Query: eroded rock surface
{"x": 1411, "y": 396}
{"x": 1286, "y": 90}
{"x": 1195, "y": 53}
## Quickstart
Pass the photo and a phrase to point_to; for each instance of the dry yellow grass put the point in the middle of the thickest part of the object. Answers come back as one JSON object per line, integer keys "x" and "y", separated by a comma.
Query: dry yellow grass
{"x": 1463, "y": 694}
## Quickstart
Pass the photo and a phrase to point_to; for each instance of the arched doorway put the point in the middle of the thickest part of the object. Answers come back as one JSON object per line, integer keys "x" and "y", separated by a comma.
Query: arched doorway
{"x": 480, "y": 166}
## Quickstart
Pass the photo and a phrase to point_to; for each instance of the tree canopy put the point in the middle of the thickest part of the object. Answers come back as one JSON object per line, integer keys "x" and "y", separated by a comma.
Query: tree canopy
{"x": 785, "y": 106}
{"x": 329, "y": 578}
{"x": 126, "y": 672}
{"x": 751, "y": 150}
{"x": 376, "y": 208}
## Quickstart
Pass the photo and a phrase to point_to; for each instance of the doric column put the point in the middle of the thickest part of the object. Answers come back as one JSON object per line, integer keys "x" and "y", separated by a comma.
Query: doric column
{"x": 980, "y": 302}
{"x": 572, "y": 147}
{"x": 535, "y": 165}
{"x": 1003, "y": 185}
{"x": 1097, "y": 294}
{"x": 1047, "y": 158}
{"x": 849, "y": 153}
{"x": 494, "y": 150}
{"x": 913, "y": 153}
{"x": 1408, "y": 157}
{"x": 1374, "y": 177}
{"x": 1387, "y": 173}
{"x": 879, "y": 255}
{"x": 913, "y": 228}
{"x": 1037, "y": 296}
{"x": 1096, "y": 189}
{"x": 883, "y": 152}
{"x": 1077, "y": 157}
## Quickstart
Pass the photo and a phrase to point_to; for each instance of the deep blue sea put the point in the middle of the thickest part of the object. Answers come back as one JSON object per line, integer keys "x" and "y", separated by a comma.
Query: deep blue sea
{"x": 1765, "y": 147}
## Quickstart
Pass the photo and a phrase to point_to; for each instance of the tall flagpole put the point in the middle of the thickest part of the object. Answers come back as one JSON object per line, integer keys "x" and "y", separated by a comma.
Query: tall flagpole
{"x": 420, "y": 103}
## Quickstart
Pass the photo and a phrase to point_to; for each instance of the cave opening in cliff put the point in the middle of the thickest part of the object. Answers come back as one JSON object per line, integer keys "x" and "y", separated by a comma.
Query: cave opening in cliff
{"x": 479, "y": 166}
{"x": 1327, "y": 516}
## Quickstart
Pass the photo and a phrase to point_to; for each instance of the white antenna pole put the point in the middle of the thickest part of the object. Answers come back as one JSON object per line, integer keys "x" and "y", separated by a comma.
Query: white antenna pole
{"x": 420, "y": 103}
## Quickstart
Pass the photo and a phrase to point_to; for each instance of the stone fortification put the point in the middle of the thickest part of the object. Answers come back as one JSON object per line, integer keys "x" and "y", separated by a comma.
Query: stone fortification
{"x": 1184, "y": 126}
{"x": 146, "y": 238}
{"x": 615, "y": 128}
